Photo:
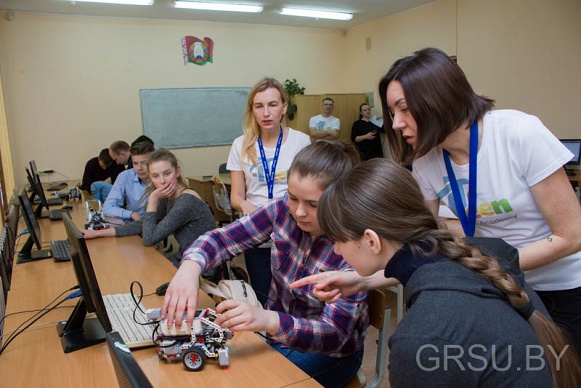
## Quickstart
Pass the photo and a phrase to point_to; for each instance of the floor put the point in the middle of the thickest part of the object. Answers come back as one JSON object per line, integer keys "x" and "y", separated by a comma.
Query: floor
{"x": 370, "y": 353}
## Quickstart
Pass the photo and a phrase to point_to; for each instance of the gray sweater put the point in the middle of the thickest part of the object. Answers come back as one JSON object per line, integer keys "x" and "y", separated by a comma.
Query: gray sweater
{"x": 187, "y": 217}
{"x": 460, "y": 331}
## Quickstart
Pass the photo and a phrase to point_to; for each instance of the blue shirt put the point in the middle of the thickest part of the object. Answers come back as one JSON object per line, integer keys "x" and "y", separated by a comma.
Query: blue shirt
{"x": 126, "y": 196}
{"x": 306, "y": 323}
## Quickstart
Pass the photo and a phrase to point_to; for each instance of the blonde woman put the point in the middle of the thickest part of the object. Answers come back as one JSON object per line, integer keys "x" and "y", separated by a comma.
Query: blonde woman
{"x": 259, "y": 162}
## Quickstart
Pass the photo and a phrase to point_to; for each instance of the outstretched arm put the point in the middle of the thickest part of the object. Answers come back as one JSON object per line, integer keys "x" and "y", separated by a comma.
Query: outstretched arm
{"x": 334, "y": 285}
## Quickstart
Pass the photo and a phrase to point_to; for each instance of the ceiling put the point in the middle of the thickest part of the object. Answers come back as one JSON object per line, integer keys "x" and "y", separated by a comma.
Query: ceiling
{"x": 364, "y": 11}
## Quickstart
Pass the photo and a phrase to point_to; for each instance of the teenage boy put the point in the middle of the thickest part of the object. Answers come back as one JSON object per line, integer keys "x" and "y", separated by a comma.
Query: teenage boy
{"x": 126, "y": 200}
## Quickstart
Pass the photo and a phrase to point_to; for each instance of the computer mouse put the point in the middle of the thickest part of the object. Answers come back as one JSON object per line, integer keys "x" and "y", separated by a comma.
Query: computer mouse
{"x": 161, "y": 289}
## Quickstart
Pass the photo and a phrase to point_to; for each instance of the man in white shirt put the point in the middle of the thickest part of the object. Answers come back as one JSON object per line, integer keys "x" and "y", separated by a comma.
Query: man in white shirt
{"x": 325, "y": 126}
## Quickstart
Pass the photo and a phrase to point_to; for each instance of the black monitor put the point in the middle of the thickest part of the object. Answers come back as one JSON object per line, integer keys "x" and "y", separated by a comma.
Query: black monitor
{"x": 573, "y": 145}
{"x": 27, "y": 253}
{"x": 129, "y": 373}
{"x": 78, "y": 331}
{"x": 40, "y": 192}
{"x": 37, "y": 191}
{"x": 32, "y": 188}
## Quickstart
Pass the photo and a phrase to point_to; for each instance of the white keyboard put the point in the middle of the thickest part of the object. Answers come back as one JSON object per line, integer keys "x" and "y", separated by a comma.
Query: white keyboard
{"x": 120, "y": 309}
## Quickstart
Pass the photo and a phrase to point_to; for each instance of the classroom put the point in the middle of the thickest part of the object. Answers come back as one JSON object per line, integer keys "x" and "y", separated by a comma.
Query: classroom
{"x": 71, "y": 84}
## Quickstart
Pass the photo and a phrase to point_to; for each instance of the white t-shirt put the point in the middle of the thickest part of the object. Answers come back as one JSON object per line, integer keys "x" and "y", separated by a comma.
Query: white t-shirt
{"x": 517, "y": 151}
{"x": 256, "y": 186}
{"x": 324, "y": 123}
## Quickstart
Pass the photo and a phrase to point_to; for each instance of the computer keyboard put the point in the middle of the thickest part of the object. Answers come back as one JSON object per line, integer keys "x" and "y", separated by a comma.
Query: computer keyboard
{"x": 57, "y": 187}
{"x": 54, "y": 201}
{"x": 120, "y": 309}
{"x": 56, "y": 214}
{"x": 60, "y": 250}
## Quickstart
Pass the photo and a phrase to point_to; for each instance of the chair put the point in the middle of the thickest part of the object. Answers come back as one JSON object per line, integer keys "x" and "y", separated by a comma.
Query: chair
{"x": 379, "y": 317}
{"x": 222, "y": 169}
{"x": 222, "y": 199}
{"x": 8, "y": 245}
{"x": 399, "y": 292}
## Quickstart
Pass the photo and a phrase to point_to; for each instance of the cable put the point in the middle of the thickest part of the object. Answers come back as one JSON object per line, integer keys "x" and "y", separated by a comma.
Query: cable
{"x": 19, "y": 330}
{"x": 29, "y": 311}
{"x": 39, "y": 325}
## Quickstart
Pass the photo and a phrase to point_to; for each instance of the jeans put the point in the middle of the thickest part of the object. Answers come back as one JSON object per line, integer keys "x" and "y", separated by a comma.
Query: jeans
{"x": 100, "y": 190}
{"x": 329, "y": 371}
{"x": 259, "y": 271}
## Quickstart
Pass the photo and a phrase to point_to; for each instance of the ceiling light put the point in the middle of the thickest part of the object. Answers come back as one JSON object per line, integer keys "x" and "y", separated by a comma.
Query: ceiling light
{"x": 316, "y": 14}
{"x": 217, "y": 6}
{"x": 129, "y": 2}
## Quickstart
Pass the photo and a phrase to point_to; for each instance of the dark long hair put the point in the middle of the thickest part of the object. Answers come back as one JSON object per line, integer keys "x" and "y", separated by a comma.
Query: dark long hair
{"x": 439, "y": 98}
{"x": 384, "y": 197}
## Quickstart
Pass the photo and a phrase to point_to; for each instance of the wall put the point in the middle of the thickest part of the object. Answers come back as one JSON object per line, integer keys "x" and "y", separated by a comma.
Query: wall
{"x": 72, "y": 83}
{"x": 525, "y": 54}
{"x": 81, "y": 76}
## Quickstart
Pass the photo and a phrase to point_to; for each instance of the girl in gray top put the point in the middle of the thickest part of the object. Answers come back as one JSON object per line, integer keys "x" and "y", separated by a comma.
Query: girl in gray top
{"x": 172, "y": 208}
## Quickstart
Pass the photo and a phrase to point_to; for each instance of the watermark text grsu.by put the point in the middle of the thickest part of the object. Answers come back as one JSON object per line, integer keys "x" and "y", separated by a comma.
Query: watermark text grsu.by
{"x": 479, "y": 357}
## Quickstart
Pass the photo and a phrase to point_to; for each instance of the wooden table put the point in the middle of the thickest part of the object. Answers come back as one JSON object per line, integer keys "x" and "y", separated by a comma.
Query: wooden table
{"x": 36, "y": 357}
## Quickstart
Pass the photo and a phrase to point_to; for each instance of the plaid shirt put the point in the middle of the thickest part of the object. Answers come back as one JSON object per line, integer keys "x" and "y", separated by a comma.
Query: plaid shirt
{"x": 306, "y": 323}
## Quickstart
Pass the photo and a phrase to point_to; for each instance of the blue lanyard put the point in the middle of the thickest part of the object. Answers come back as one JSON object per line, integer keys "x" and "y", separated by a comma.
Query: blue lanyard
{"x": 468, "y": 221}
{"x": 268, "y": 173}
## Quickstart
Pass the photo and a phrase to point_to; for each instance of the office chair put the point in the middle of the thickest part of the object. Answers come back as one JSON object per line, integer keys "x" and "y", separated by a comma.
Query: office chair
{"x": 379, "y": 317}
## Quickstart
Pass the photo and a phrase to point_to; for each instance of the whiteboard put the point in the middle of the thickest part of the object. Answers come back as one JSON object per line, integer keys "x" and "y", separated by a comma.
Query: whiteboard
{"x": 193, "y": 117}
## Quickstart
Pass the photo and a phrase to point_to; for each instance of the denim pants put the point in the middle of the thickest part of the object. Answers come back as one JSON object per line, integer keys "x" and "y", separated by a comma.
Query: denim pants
{"x": 100, "y": 190}
{"x": 258, "y": 266}
{"x": 331, "y": 372}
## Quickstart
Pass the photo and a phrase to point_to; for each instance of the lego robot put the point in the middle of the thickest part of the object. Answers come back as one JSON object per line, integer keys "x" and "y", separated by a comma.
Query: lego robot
{"x": 95, "y": 219}
{"x": 193, "y": 345}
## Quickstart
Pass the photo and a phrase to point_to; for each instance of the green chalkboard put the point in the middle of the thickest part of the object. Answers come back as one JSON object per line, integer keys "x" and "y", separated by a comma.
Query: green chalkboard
{"x": 193, "y": 117}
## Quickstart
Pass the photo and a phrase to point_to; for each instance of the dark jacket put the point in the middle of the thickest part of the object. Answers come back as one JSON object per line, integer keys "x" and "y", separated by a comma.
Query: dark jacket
{"x": 460, "y": 331}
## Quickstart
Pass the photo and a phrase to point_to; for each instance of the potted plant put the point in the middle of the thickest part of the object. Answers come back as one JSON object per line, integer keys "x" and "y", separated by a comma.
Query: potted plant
{"x": 292, "y": 88}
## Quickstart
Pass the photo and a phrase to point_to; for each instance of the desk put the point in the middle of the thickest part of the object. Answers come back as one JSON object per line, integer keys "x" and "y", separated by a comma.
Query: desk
{"x": 36, "y": 357}
{"x": 203, "y": 185}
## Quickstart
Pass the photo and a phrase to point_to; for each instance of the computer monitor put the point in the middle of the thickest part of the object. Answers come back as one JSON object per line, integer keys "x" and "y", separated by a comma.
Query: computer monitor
{"x": 128, "y": 372}
{"x": 40, "y": 192}
{"x": 78, "y": 331}
{"x": 33, "y": 168}
{"x": 27, "y": 253}
{"x": 573, "y": 145}
{"x": 32, "y": 188}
